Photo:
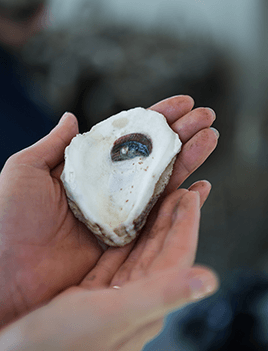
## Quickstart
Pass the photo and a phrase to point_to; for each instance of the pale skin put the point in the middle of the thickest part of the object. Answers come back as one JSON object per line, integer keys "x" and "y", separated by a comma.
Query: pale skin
{"x": 48, "y": 255}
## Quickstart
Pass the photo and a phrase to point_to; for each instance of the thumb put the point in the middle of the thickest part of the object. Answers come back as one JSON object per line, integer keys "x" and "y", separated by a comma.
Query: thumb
{"x": 48, "y": 152}
{"x": 168, "y": 290}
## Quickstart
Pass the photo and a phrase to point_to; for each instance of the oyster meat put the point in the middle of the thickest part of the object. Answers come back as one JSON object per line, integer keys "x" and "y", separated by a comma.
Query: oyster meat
{"x": 114, "y": 174}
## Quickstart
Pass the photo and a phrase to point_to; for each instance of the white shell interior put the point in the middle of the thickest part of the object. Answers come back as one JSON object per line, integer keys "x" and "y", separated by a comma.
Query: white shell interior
{"x": 111, "y": 194}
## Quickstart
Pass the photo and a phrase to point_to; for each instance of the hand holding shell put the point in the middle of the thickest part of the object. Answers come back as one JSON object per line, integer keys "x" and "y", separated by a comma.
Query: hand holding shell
{"x": 57, "y": 245}
{"x": 104, "y": 174}
{"x": 114, "y": 174}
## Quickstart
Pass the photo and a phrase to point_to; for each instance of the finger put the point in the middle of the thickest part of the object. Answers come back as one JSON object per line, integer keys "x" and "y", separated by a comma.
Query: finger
{"x": 174, "y": 108}
{"x": 123, "y": 273}
{"x": 49, "y": 151}
{"x": 151, "y": 298}
{"x": 105, "y": 269}
{"x": 151, "y": 242}
{"x": 120, "y": 311}
{"x": 180, "y": 245}
{"x": 136, "y": 341}
{"x": 192, "y": 155}
{"x": 57, "y": 171}
{"x": 193, "y": 122}
{"x": 157, "y": 235}
{"x": 203, "y": 187}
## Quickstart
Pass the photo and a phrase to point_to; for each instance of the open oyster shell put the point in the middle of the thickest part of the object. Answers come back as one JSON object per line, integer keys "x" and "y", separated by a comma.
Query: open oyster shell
{"x": 114, "y": 174}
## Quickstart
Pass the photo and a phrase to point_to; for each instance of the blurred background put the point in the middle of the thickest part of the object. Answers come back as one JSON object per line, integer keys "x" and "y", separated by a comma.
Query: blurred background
{"x": 98, "y": 57}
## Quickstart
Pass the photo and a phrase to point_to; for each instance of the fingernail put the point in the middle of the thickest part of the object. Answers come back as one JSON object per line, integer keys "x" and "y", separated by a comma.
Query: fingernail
{"x": 201, "y": 287}
{"x": 216, "y": 132}
{"x": 63, "y": 117}
{"x": 213, "y": 112}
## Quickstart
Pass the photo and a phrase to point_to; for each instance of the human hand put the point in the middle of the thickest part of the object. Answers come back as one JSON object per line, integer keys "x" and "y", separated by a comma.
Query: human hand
{"x": 45, "y": 249}
{"x": 107, "y": 319}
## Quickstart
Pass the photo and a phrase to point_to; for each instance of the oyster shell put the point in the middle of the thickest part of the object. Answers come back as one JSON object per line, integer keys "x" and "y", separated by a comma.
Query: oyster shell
{"x": 114, "y": 174}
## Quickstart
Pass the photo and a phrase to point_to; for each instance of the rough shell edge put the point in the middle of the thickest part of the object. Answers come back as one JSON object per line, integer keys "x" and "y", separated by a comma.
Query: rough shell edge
{"x": 139, "y": 222}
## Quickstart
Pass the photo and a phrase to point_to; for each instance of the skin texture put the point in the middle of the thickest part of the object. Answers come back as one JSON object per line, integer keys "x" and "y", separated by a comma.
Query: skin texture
{"x": 109, "y": 319}
{"x": 45, "y": 250}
